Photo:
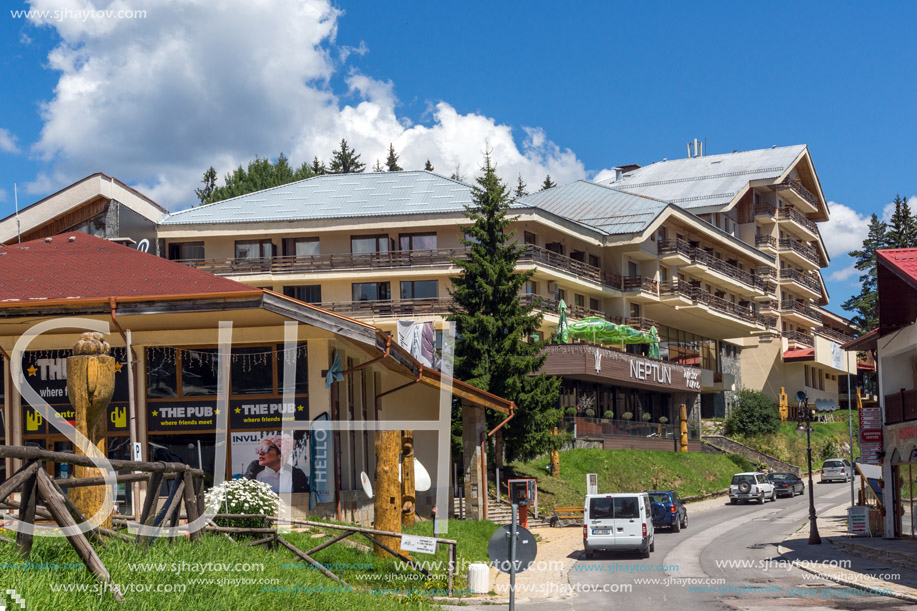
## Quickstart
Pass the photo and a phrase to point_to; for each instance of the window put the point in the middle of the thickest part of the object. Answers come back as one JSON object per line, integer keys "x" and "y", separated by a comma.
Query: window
{"x": 300, "y": 247}
{"x": 420, "y": 289}
{"x": 161, "y": 374}
{"x": 661, "y": 234}
{"x": 199, "y": 372}
{"x": 561, "y": 294}
{"x": 555, "y": 247}
{"x": 363, "y": 244}
{"x": 635, "y": 310}
{"x": 371, "y": 291}
{"x": 594, "y": 304}
{"x": 663, "y": 274}
{"x": 632, "y": 269}
{"x": 309, "y": 293}
{"x": 594, "y": 261}
{"x": 531, "y": 287}
{"x": 579, "y": 300}
{"x": 578, "y": 255}
{"x": 186, "y": 250}
{"x": 255, "y": 249}
{"x": 252, "y": 371}
{"x": 301, "y": 385}
{"x": 530, "y": 238}
{"x": 417, "y": 241}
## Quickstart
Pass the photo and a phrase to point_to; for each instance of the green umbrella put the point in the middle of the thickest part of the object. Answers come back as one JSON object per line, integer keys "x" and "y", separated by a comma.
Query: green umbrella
{"x": 601, "y": 331}
{"x": 562, "y": 334}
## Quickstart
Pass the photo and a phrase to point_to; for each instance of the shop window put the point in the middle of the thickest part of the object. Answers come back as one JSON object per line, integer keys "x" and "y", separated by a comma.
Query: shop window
{"x": 255, "y": 249}
{"x": 197, "y": 450}
{"x": 364, "y": 244}
{"x": 300, "y": 247}
{"x": 309, "y": 293}
{"x": 162, "y": 373}
{"x": 417, "y": 241}
{"x": 199, "y": 372}
{"x": 252, "y": 371}
{"x": 420, "y": 289}
{"x": 371, "y": 291}
{"x": 301, "y": 357}
{"x": 186, "y": 250}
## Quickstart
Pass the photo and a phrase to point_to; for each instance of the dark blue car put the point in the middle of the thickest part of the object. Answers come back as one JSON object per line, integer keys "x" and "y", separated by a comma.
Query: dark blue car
{"x": 668, "y": 510}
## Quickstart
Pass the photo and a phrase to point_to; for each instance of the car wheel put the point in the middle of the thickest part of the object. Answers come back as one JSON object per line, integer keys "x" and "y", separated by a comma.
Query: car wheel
{"x": 684, "y": 523}
{"x": 676, "y": 526}
{"x": 733, "y": 501}
{"x": 653, "y": 546}
{"x": 761, "y": 499}
{"x": 773, "y": 496}
{"x": 645, "y": 553}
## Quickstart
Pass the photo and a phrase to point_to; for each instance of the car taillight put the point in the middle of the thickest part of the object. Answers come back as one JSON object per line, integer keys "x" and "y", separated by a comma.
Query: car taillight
{"x": 673, "y": 509}
{"x": 585, "y": 531}
{"x": 842, "y": 471}
{"x": 756, "y": 490}
{"x": 644, "y": 530}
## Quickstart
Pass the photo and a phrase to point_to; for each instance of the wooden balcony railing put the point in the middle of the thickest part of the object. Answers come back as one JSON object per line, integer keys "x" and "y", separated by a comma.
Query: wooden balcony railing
{"x": 764, "y": 241}
{"x": 833, "y": 334}
{"x": 726, "y": 307}
{"x": 788, "y": 306}
{"x": 675, "y": 246}
{"x": 536, "y": 254}
{"x": 386, "y": 308}
{"x": 640, "y": 283}
{"x": 699, "y": 256}
{"x": 549, "y": 304}
{"x": 799, "y": 337}
{"x": 791, "y": 214}
{"x": 801, "y": 278}
{"x": 800, "y": 190}
{"x": 806, "y": 251}
{"x": 901, "y": 406}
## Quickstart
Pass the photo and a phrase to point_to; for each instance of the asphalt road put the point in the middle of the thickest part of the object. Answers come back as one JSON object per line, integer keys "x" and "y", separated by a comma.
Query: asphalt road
{"x": 746, "y": 533}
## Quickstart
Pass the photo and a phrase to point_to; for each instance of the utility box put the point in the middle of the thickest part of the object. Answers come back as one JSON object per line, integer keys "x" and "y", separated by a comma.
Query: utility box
{"x": 523, "y": 492}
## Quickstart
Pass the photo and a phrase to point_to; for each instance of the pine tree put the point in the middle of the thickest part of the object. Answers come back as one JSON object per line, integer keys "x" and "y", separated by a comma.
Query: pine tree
{"x": 865, "y": 303}
{"x": 392, "y": 162}
{"x": 209, "y": 181}
{"x": 548, "y": 183}
{"x": 902, "y": 229}
{"x": 318, "y": 168}
{"x": 428, "y": 166}
{"x": 494, "y": 350}
{"x": 457, "y": 175}
{"x": 378, "y": 167}
{"x": 345, "y": 161}
{"x": 520, "y": 189}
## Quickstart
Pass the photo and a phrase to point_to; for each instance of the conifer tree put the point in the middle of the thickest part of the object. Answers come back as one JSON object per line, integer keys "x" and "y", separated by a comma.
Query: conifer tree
{"x": 318, "y": 168}
{"x": 548, "y": 183}
{"x": 345, "y": 161}
{"x": 494, "y": 349}
{"x": 392, "y": 162}
{"x": 864, "y": 304}
{"x": 428, "y": 166}
{"x": 902, "y": 228}
{"x": 457, "y": 175}
{"x": 378, "y": 167}
{"x": 209, "y": 181}
{"x": 520, "y": 189}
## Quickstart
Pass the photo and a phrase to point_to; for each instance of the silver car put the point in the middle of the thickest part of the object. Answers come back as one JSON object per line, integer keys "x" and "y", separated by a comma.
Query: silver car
{"x": 836, "y": 470}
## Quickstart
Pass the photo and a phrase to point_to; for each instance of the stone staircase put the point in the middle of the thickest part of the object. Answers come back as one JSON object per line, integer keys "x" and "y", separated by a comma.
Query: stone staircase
{"x": 725, "y": 444}
{"x": 502, "y": 513}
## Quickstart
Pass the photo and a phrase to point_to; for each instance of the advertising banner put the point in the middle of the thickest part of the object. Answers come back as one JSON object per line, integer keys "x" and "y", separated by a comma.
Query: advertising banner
{"x": 265, "y": 465}
{"x": 262, "y": 413}
{"x": 321, "y": 455}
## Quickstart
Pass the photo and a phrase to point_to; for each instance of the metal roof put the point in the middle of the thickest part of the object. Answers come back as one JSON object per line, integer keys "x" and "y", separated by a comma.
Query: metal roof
{"x": 710, "y": 181}
{"x": 605, "y": 209}
{"x": 336, "y": 196}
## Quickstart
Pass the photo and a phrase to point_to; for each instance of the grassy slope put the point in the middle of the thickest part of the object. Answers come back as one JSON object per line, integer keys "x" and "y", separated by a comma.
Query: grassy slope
{"x": 790, "y": 446}
{"x": 689, "y": 473}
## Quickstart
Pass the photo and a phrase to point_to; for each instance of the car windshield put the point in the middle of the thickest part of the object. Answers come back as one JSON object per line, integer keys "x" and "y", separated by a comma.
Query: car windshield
{"x": 736, "y": 479}
{"x": 665, "y": 499}
{"x": 777, "y": 476}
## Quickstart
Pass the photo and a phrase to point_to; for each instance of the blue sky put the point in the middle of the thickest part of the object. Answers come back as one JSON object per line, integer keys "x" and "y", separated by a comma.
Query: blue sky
{"x": 568, "y": 89}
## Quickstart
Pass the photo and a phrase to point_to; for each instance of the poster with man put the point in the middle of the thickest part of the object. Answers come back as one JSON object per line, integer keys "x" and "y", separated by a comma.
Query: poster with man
{"x": 260, "y": 455}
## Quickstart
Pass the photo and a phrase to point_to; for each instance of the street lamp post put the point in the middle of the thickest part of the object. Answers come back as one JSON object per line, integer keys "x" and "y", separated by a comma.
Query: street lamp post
{"x": 804, "y": 419}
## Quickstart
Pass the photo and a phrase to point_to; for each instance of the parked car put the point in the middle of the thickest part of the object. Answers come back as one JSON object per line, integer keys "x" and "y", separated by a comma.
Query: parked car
{"x": 786, "y": 484}
{"x": 836, "y": 470}
{"x": 752, "y": 485}
{"x": 668, "y": 510}
{"x": 622, "y": 521}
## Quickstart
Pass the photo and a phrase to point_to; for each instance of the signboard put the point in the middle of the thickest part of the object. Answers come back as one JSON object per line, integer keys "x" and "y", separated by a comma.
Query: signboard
{"x": 858, "y": 520}
{"x": 261, "y": 413}
{"x": 871, "y": 442}
{"x": 421, "y": 545}
{"x": 592, "y": 483}
{"x": 871, "y": 435}
{"x": 620, "y": 367}
{"x": 321, "y": 461}
{"x": 246, "y": 461}
{"x": 170, "y": 416}
{"x": 837, "y": 356}
{"x": 46, "y": 371}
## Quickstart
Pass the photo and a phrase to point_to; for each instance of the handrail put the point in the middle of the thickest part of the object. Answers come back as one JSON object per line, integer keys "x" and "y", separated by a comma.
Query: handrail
{"x": 537, "y": 254}
{"x": 796, "y": 186}
{"x": 801, "y": 278}
{"x": 765, "y": 240}
{"x": 799, "y": 337}
{"x": 833, "y": 334}
{"x": 791, "y": 214}
{"x": 640, "y": 283}
{"x": 800, "y": 247}
{"x": 794, "y": 306}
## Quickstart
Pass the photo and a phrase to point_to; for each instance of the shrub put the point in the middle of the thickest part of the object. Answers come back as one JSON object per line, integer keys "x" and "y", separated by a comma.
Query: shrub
{"x": 663, "y": 419}
{"x": 570, "y": 411}
{"x": 830, "y": 450}
{"x": 627, "y": 415}
{"x": 608, "y": 415}
{"x": 742, "y": 463}
{"x": 754, "y": 413}
{"x": 647, "y": 416}
{"x": 242, "y": 496}
{"x": 590, "y": 413}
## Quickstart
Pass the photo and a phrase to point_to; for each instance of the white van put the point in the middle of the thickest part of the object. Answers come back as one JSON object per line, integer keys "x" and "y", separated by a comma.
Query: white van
{"x": 621, "y": 521}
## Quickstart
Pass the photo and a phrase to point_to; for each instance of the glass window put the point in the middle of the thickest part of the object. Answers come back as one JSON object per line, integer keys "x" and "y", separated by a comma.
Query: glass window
{"x": 371, "y": 291}
{"x": 254, "y": 249}
{"x": 593, "y": 261}
{"x": 197, "y": 450}
{"x": 186, "y": 250}
{"x": 161, "y": 374}
{"x": 594, "y": 304}
{"x": 626, "y": 507}
{"x": 300, "y": 247}
{"x": 199, "y": 372}
{"x": 310, "y": 293}
{"x": 301, "y": 357}
{"x": 417, "y": 241}
{"x": 420, "y": 289}
{"x": 531, "y": 287}
{"x": 368, "y": 243}
{"x": 579, "y": 300}
{"x": 601, "y": 509}
{"x": 252, "y": 371}
{"x": 529, "y": 238}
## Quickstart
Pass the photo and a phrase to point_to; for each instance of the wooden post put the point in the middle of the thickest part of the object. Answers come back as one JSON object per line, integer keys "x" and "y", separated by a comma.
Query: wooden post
{"x": 28, "y": 501}
{"x": 683, "y": 422}
{"x": 387, "y": 491}
{"x": 90, "y": 384}
{"x": 408, "y": 492}
{"x": 191, "y": 504}
{"x": 783, "y": 405}
{"x": 555, "y": 462}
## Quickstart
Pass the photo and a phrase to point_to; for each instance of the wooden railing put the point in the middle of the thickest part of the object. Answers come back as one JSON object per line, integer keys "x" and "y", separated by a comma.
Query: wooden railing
{"x": 833, "y": 334}
{"x": 552, "y": 305}
{"x": 389, "y": 308}
{"x": 800, "y": 190}
{"x": 640, "y": 283}
{"x": 901, "y": 406}
{"x": 802, "y": 248}
{"x": 799, "y": 337}
{"x": 791, "y": 214}
{"x": 675, "y": 246}
{"x": 788, "y": 306}
{"x": 762, "y": 241}
{"x": 536, "y": 254}
{"x": 801, "y": 278}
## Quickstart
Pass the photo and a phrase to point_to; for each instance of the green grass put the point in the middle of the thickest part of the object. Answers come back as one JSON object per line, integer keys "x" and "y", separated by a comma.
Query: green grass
{"x": 689, "y": 474}
{"x": 790, "y": 446}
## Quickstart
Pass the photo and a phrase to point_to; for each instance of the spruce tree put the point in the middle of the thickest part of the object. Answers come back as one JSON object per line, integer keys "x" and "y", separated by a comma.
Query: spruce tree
{"x": 494, "y": 349}
{"x": 345, "y": 161}
{"x": 318, "y": 168}
{"x": 902, "y": 228}
{"x": 392, "y": 162}
{"x": 520, "y": 189}
{"x": 428, "y": 166}
{"x": 209, "y": 181}
{"x": 457, "y": 175}
{"x": 548, "y": 183}
{"x": 864, "y": 304}
{"x": 378, "y": 167}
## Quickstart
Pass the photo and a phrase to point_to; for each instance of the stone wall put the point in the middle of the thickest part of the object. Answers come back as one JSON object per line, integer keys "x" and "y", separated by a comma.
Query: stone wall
{"x": 734, "y": 447}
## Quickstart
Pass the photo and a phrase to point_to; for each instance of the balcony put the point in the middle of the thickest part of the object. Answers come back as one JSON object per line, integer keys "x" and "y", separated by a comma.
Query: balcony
{"x": 901, "y": 406}
{"x": 675, "y": 252}
{"x": 389, "y": 308}
{"x": 794, "y": 309}
{"x": 640, "y": 323}
{"x": 765, "y": 212}
{"x": 799, "y": 252}
{"x": 766, "y": 243}
{"x": 640, "y": 289}
{"x": 792, "y": 215}
{"x": 722, "y": 271}
{"x": 676, "y": 292}
{"x": 833, "y": 334}
{"x": 440, "y": 257}
{"x": 807, "y": 282}
{"x": 543, "y": 256}
{"x": 800, "y": 338}
{"x": 723, "y": 306}
{"x": 806, "y": 197}
{"x": 552, "y": 305}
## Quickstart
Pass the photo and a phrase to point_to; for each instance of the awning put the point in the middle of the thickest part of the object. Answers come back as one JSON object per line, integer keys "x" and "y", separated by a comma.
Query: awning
{"x": 863, "y": 342}
{"x": 864, "y": 366}
{"x": 803, "y": 354}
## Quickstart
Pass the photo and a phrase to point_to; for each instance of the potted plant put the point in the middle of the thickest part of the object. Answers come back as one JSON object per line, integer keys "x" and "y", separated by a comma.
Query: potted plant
{"x": 590, "y": 413}
{"x": 627, "y": 415}
{"x": 663, "y": 419}
{"x": 647, "y": 416}
{"x": 570, "y": 412}
{"x": 608, "y": 415}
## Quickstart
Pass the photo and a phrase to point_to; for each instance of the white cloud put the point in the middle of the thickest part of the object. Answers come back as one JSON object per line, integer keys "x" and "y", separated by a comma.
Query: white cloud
{"x": 4, "y": 195}
{"x": 845, "y": 231}
{"x": 7, "y": 142}
{"x": 156, "y": 101}
{"x": 843, "y": 275}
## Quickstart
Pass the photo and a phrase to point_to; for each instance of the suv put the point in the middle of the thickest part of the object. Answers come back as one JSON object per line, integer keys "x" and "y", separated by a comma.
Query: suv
{"x": 621, "y": 521}
{"x": 836, "y": 469}
{"x": 668, "y": 510}
{"x": 747, "y": 486}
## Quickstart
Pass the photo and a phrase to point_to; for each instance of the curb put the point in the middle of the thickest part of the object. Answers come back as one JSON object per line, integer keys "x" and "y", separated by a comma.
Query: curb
{"x": 783, "y": 551}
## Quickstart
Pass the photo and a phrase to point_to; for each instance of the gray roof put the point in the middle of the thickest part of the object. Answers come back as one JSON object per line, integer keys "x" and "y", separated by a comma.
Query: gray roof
{"x": 336, "y": 196}
{"x": 707, "y": 182}
{"x": 607, "y": 210}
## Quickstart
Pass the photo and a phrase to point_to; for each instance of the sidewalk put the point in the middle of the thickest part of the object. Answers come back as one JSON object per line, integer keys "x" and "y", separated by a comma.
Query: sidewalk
{"x": 875, "y": 564}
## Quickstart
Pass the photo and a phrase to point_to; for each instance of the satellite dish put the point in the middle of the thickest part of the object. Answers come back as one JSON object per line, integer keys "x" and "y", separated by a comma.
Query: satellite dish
{"x": 422, "y": 481}
{"x": 831, "y": 405}
{"x": 819, "y": 405}
{"x": 367, "y": 485}
{"x": 800, "y": 396}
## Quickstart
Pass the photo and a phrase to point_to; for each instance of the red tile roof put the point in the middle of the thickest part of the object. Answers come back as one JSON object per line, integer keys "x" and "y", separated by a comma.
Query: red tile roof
{"x": 802, "y": 354}
{"x": 80, "y": 266}
{"x": 903, "y": 261}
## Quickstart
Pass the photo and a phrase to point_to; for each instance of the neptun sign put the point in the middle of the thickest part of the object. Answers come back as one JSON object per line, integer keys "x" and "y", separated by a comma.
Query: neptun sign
{"x": 614, "y": 367}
